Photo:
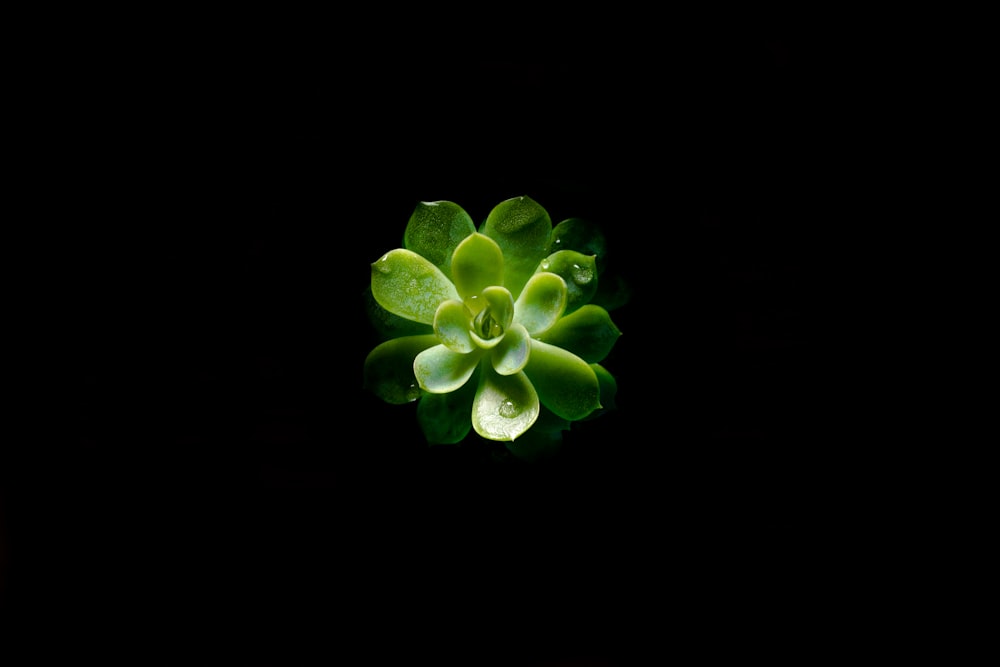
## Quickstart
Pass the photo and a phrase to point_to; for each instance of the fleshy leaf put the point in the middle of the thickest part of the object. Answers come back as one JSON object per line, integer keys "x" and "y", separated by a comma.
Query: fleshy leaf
{"x": 511, "y": 355}
{"x": 477, "y": 263}
{"x": 505, "y": 405}
{"x": 389, "y": 325}
{"x": 609, "y": 387}
{"x": 578, "y": 270}
{"x": 521, "y": 228}
{"x": 497, "y": 313}
{"x": 406, "y": 284}
{"x": 444, "y": 418}
{"x": 439, "y": 370}
{"x": 588, "y": 333}
{"x": 542, "y": 302}
{"x": 582, "y": 236}
{"x": 565, "y": 383}
{"x": 451, "y": 325}
{"x": 435, "y": 229}
{"x": 388, "y": 369}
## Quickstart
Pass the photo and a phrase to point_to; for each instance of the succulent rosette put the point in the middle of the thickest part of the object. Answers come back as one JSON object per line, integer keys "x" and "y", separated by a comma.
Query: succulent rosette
{"x": 493, "y": 329}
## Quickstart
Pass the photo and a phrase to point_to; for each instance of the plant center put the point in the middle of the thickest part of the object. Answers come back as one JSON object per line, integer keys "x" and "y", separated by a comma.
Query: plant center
{"x": 485, "y": 325}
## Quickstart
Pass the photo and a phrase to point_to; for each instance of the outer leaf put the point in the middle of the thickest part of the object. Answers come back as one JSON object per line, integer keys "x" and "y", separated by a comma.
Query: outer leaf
{"x": 542, "y": 302}
{"x": 588, "y": 333}
{"x": 511, "y": 355}
{"x": 410, "y": 286}
{"x": 609, "y": 388}
{"x": 451, "y": 325}
{"x": 505, "y": 405}
{"x": 439, "y": 370}
{"x": 578, "y": 270}
{"x": 477, "y": 264}
{"x": 389, "y": 325}
{"x": 565, "y": 383}
{"x": 388, "y": 369}
{"x": 521, "y": 227}
{"x": 444, "y": 418}
{"x": 435, "y": 229}
{"x": 581, "y": 235}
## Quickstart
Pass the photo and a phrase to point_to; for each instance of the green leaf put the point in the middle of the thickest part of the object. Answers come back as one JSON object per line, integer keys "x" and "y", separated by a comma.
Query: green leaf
{"x": 406, "y": 284}
{"x": 588, "y": 333}
{"x": 609, "y": 388}
{"x": 542, "y": 302}
{"x": 445, "y": 418}
{"x": 582, "y": 236}
{"x": 435, "y": 229}
{"x": 521, "y": 227}
{"x": 439, "y": 370}
{"x": 578, "y": 270}
{"x": 505, "y": 406}
{"x": 451, "y": 325}
{"x": 565, "y": 383}
{"x": 511, "y": 355}
{"x": 477, "y": 264}
{"x": 388, "y": 325}
{"x": 497, "y": 313}
{"x": 388, "y": 369}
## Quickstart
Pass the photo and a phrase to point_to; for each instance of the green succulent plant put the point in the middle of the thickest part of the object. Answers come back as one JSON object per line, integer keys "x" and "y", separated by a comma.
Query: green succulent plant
{"x": 495, "y": 329}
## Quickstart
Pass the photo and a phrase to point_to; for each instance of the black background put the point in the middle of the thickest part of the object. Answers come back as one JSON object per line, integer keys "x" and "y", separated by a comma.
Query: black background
{"x": 227, "y": 479}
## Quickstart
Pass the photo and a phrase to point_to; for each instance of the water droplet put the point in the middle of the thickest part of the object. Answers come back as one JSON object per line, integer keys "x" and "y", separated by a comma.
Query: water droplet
{"x": 582, "y": 274}
{"x": 508, "y": 409}
{"x": 382, "y": 265}
{"x": 545, "y": 265}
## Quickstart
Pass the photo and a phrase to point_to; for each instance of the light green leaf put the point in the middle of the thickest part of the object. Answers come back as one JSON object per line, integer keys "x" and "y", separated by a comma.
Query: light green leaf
{"x": 542, "y": 302}
{"x": 435, "y": 229}
{"x": 406, "y": 284}
{"x": 565, "y": 383}
{"x": 439, "y": 370}
{"x": 578, "y": 270}
{"x": 489, "y": 325}
{"x": 505, "y": 405}
{"x": 588, "y": 333}
{"x": 389, "y": 325}
{"x": 521, "y": 227}
{"x": 451, "y": 324}
{"x": 511, "y": 355}
{"x": 477, "y": 264}
{"x": 388, "y": 369}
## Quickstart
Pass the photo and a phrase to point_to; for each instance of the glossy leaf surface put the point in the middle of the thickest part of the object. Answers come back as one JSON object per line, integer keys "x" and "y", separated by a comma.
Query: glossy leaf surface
{"x": 521, "y": 227}
{"x": 588, "y": 333}
{"x": 439, "y": 370}
{"x": 408, "y": 285}
{"x": 542, "y": 302}
{"x": 565, "y": 383}
{"x": 578, "y": 270}
{"x": 478, "y": 263}
{"x": 505, "y": 406}
{"x": 435, "y": 229}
